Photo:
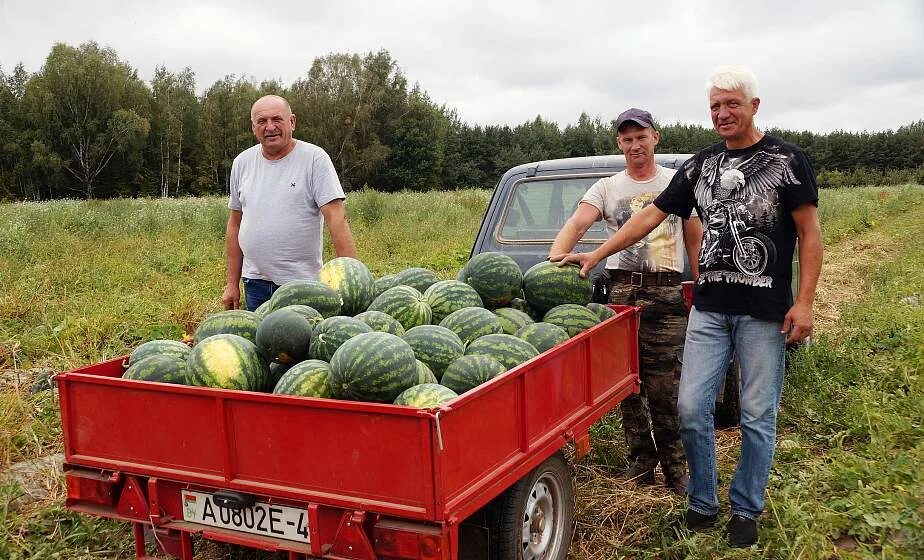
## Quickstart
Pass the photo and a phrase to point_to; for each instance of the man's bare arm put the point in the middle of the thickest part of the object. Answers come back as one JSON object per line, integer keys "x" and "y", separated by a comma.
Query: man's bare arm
{"x": 692, "y": 241}
{"x": 638, "y": 226}
{"x": 231, "y": 298}
{"x": 799, "y": 320}
{"x": 577, "y": 225}
{"x": 340, "y": 235}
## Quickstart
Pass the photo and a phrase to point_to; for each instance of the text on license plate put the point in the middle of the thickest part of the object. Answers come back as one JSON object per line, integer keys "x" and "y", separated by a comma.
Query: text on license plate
{"x": 269, "y": 520}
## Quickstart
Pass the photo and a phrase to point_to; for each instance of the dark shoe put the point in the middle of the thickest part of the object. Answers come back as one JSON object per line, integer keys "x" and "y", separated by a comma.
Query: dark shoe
{"x": 696, "y": 521}
{"x": 741, "y": 531}
{"x": 640, "y": 474}
{"x": 678, "y": 485}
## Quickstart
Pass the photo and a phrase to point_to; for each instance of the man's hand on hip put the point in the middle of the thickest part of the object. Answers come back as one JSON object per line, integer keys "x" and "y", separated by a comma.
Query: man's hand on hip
{"x": 797, "y": 324}
{"x": 231, "y": 298}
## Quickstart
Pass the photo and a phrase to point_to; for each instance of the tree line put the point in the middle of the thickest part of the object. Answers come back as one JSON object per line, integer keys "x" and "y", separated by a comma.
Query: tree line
{"x": 85, "y": 125}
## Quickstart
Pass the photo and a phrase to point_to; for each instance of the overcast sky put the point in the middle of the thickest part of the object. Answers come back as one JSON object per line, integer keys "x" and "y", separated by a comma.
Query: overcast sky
{"x": 853, "y": 65}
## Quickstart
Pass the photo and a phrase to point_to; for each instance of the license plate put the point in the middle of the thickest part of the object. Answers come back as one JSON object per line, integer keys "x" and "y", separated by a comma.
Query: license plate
{"x": 268, "y": 520}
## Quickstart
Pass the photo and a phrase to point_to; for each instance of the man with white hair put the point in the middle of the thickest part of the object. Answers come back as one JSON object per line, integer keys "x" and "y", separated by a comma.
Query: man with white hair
{"x": 756, "y": 195}
{"x": 282, "y": 192}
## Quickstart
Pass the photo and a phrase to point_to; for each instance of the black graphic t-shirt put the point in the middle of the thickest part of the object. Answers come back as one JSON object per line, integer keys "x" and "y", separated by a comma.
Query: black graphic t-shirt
{"x": 744, "y": 198}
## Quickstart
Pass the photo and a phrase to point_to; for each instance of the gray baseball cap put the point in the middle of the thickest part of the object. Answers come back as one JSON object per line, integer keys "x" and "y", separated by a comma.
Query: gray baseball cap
{"x": 636, "y": 116}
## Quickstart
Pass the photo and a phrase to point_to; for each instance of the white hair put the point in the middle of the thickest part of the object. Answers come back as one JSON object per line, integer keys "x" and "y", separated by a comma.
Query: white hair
{"x": 732, "y": 77}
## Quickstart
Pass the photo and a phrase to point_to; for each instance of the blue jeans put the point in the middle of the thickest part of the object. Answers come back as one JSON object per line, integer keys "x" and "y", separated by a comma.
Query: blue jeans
{"x": 761, "y": 353}
{"x": 257, "y": 292}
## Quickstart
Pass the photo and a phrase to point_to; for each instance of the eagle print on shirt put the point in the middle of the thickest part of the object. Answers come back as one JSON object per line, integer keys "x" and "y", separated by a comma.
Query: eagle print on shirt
{"x": 740, "y": 202}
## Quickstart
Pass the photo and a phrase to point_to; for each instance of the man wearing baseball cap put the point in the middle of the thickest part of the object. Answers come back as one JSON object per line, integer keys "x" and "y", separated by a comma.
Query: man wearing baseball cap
{"x": 646, "y": 274}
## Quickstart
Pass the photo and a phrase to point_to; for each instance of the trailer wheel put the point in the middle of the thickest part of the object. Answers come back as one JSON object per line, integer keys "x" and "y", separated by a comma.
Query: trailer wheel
{"x": 534, "y": 518}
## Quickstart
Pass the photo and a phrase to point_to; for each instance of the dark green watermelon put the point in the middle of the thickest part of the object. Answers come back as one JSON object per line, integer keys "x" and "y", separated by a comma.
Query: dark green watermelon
{"x": 227, "y": 361}
{"x": 284, "y": 336}
{"x": 330, "y": 333}
{"x": 470, "y": 371}
{"x": 495, "y": 276}
{"x": 507, "y": 349}
{"x": 310, "y": 378}
{"x": 352, "y": 280}
{"x": 543, "y": 335}
{"x": 571, "y": 317}
{"x": 547, "y": 285}
{"x": 236, "y": 321}
{"x": 312, "y": 293}
{"x": 426, "y": 395}
{"x": 472, "y": 322}
{"x": 447, "y": 296}
{"x": 159, "y": 348}
{"x": 435, "y": 346}
{"x": 373, "y": 366}
{"x": 404, "y": 303}
{"x": 160, "y": 368}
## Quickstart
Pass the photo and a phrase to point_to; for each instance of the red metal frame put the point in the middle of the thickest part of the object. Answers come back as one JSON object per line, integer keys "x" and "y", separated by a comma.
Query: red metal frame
{"x": 345, "y": 458}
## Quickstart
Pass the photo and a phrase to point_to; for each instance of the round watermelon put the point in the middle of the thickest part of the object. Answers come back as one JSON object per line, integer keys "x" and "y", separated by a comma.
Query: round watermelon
{"x": 470, "y": 371}
{"x": 352, "y": 280}
{"x": 547, "y": 285}
{"x": 507, "y": 349}
{"x": 447, "y": 296}
{"x": 263, "y": 308}
{"x": 373, "y": 366}
{"x": 310, "y": 378}
{"x": 571, "y": 317}
{"x": 312, "y": 293}
{"x": 424, "y": 374}
{"x": 383, "y": 283}
{"x": 495, "y": 276}
{"x": 601, "y": 311}
{"x": 382, "y": 322}
{"x": 284, "y": 336}
{"x": 543, "y": 335}
{"x": 512, "y": 320}
{"x": 236, "y": 321}
{"x": 426, "y": 395}
{"x": 418, "y": 278}
{"x": 330, "y": 333}
{"x": 162, "y": 368}
{"x": 159, "y": 348}
{"x": 472, "y": 322}
{"x": 404, "y": 303}
{"x": 435, "y": 346}
{"x": 227, "y": 361}
{"x": 313, "y": 315}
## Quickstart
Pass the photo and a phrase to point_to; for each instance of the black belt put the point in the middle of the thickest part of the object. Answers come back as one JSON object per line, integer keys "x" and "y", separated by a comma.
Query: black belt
{"x": 641, "y": 279}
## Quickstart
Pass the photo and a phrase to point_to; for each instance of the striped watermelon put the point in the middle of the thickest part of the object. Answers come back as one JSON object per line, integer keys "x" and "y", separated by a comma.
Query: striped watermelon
{"x": 470, "y": 371}
{"x": 426, "y": 395}
{"x": 447, "y": 296}
{"x": 435, "y": 346}
{"x": 312, "y": 293}
{"x": 373, "y": 366}
{"x": 236, "y": 321}
{"x": 512, "y": 320}
{"x": 284, "y": 336}
{"x": 310, "y": 378}
{"x": 543, "y": 335}
{"x": 495, "y": 276}
{"x": 227, "y": 361}
{"x": 382, "y": 322}
{"x": 263, "y": 308}
{"x": 313, "y": 315}
{"x": 425, "y": 374}
{"x": 382, "y": 284}
{"x": 546, "y": 285}
{"x": 571, "y": 317}
{"x": 418, "y": 278}
{"x": 601, "y": 311}
{"x": 404, "y": 303}
{"x": 162, "y": 368}
{"x": 521, "y": 304}
{"x": 472, "y": 322}
{"x": 159, "y": 348}
{"x": 352, "y": 280}
{"x": 507, "y": 349}
{"x": 330, "y": 333}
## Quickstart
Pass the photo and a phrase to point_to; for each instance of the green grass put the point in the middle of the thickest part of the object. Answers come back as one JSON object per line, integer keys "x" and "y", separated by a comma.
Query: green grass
{"x": 87, "y": 281}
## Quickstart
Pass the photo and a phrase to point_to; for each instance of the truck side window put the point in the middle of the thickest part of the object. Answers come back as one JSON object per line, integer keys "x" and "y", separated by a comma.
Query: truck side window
{"x": 538, "y": 208}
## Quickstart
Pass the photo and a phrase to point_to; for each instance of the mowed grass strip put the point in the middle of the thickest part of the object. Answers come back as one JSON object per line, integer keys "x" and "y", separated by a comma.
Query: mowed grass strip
{"x": 87, "y": 281}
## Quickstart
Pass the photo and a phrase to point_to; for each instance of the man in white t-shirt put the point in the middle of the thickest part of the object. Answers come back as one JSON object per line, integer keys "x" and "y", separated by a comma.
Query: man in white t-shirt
{"x": 282, "y": 193}
{"x": 647, "y": 274}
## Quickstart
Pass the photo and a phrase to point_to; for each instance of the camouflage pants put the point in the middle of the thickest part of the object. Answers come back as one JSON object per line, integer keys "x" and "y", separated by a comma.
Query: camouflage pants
{"x": 653, "y": 412}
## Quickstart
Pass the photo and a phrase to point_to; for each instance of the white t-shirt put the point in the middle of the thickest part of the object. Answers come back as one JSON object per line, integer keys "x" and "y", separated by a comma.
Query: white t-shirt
{"x": 281, "y": 225}
{"x": 618, "y": 197}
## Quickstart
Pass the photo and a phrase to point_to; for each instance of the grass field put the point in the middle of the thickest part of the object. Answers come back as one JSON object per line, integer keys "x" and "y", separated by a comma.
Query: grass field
{"x": 87, "y": 281}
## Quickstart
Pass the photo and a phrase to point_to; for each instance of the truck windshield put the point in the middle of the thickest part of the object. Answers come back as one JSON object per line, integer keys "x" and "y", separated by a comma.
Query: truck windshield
{"x": 538, "y": 208}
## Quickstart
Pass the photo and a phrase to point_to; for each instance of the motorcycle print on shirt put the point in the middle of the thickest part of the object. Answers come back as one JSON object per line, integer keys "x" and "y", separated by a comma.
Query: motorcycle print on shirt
{"x": 740, "y": 204}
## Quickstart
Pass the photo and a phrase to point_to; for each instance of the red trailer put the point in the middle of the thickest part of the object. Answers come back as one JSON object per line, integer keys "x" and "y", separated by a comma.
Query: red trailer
{"x": 324, "y": 478}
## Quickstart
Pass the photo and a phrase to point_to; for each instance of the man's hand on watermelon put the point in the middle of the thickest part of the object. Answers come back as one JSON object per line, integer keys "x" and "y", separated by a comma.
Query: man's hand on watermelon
{"x": 587, "y": 261}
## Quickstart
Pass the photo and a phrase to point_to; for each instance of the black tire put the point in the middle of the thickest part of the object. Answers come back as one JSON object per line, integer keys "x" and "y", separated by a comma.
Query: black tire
{"x": 543, "y": 502}
{"x": 728, "y": 411}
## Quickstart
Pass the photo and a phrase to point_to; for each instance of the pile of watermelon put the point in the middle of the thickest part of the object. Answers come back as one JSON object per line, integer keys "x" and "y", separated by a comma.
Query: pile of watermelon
{"x": 408, "y": 338}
